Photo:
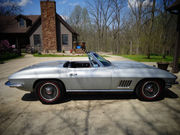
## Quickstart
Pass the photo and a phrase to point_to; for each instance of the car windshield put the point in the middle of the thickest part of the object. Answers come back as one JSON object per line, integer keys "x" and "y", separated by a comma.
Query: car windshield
{"x": 102, "y": 60}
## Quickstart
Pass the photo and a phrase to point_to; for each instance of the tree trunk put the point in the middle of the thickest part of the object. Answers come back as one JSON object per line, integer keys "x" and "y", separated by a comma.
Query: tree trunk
{"x": 150, "y": 29}
{"x": 175, "y": 68}
{"x": 148, "y": 55}
{"x": 130, "y": 47}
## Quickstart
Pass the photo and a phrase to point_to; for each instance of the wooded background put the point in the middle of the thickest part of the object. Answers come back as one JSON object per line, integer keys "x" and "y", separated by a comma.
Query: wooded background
{"x": 121, "y": 26}
{"x": 126, "y": 27}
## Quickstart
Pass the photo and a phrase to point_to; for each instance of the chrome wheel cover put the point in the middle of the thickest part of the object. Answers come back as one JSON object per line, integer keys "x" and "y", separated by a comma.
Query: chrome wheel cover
{"x": 49, "y": 91}
{"x": 150, "y": 89}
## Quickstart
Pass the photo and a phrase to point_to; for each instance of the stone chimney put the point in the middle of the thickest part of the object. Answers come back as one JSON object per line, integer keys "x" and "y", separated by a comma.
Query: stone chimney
{"x": 48, "y": 21}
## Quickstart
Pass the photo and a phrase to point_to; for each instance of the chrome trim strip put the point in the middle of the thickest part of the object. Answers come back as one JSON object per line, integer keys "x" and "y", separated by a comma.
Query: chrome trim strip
{"x": 123, "y": 87}
{"x": 8, "y": 83}
{"x": 100, "y": 90}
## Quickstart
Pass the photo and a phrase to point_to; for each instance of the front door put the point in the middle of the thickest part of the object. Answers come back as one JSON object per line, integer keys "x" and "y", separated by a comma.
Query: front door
{"x": 94, "y": 78}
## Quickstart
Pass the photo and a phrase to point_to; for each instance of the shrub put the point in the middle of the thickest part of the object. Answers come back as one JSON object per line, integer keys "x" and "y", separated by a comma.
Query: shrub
{"x": 6, "y": 51}
{"x": 5, "y": 46}
{"x": 8, "y": 55}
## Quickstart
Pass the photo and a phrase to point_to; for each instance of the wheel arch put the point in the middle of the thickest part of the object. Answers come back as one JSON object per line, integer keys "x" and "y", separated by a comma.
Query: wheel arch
{"x": 159, "y": 79}
{"x": 48, "y": 79}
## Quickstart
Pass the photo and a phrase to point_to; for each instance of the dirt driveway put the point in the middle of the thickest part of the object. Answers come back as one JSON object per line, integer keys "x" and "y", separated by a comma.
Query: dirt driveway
{"x": 123, "y": 114}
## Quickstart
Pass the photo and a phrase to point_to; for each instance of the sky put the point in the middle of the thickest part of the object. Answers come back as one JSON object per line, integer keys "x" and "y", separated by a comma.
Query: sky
{"x": 63, "y": 7}
{"x": 32, "y": 7}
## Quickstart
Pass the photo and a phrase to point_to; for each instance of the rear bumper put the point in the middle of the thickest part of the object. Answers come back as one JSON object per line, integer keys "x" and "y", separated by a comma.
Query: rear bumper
{"x": 10, "y": 84}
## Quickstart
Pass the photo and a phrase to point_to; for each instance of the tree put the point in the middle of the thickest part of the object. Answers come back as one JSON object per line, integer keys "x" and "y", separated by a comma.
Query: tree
{"x": 75, "y": 17}
{"x": 85, "y": 24}
{"x": 165, "y": 22}
{"x": 85, "y": 18}
{"x": 137, "y": 11}
{"x": 8, "y": 8}
{"x": 117, "y": 6}
{"x": 101, "y": 13}
{"x": 143, "y": 27}
{"x": 80, "y": 21}
{"x": 151, "y": 22}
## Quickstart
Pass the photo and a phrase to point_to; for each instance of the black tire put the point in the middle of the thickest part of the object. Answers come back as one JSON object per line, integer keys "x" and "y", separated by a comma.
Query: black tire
{"x": 150, "y": 90}
{"x": 49, "y": 92}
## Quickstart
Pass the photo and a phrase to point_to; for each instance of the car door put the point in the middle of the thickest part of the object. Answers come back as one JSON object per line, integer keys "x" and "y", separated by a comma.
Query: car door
{"x": 93, "y": 78}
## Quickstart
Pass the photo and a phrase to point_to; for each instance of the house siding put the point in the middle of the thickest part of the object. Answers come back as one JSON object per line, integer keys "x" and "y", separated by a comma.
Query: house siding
{"x": 37, "y": 31}
{"x": 61, "y": 29}
{"x": 64, "y": 30}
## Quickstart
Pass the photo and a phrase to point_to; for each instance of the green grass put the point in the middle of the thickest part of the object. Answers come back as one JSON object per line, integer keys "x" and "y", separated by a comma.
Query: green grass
{"x": 9, "y": 56}
{"x": 56, "y": 55}
{"x": 143, "y": 58}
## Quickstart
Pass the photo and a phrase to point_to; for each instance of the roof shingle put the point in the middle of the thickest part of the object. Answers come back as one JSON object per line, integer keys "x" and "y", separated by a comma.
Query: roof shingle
{"x": 9, "y": 24}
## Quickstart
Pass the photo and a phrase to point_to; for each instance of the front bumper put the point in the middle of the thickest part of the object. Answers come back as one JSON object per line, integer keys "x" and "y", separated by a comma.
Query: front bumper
{"x": 10, "y": 84}
{"x": 169, "y": 85}
{"x": 176, "y": 82}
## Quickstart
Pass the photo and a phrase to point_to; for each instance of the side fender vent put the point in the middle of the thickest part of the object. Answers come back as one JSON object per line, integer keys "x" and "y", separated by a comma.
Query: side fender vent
{"x": 125, "y": 83}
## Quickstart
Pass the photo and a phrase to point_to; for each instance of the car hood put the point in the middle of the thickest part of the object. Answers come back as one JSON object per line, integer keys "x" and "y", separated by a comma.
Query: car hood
{"x": 129, "y": 64}
{"x": 130, "y": 68}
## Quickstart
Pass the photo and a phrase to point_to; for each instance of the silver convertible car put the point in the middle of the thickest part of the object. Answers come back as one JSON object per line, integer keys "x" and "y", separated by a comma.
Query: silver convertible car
{"x": 52, "y": 80}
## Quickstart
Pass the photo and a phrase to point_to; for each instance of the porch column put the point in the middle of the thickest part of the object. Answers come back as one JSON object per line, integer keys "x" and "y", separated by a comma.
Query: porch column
{"x": 18, "y": 47}
{"x": 175, "y": 68}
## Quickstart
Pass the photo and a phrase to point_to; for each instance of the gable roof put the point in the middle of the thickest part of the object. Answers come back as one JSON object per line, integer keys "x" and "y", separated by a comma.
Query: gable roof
{"x": 22, "y": 16}
{"x": 9, "y": 24}
{"x": 66, "y": 24}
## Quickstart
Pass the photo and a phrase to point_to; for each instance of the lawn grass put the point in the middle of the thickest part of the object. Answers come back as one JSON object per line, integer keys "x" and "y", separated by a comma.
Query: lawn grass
{"x": 143, "y": 58}
{"x": 57, "y": 55}
{"x": 9, "y": 56}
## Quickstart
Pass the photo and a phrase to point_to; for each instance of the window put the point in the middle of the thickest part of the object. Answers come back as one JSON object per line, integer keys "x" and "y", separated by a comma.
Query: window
{"x": 21, "y": 22}
{"x": 37, "y": 40}
{"x": 65, "y": 39}
{"x": 102, "y": 60}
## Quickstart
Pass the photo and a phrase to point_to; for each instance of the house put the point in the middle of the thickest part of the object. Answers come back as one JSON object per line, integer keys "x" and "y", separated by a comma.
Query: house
{"x": 47, "y": 32}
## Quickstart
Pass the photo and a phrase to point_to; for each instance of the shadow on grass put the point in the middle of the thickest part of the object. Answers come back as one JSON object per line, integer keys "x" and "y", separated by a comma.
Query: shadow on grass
{"x": 97, "y": 96}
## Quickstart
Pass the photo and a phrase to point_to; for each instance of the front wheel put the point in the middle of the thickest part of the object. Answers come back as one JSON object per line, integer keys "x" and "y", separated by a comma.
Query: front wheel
{"x": 49, "y": 92}
{"x": 149, "y": 90}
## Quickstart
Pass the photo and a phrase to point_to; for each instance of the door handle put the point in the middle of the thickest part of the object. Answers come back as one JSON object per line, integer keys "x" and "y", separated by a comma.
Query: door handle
{"x": 73, "y": 74}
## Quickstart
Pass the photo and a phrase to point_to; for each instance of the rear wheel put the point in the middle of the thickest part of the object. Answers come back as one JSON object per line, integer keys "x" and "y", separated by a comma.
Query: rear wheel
{"x": 149, "y": 90}
{"x": 49, "y": 92}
